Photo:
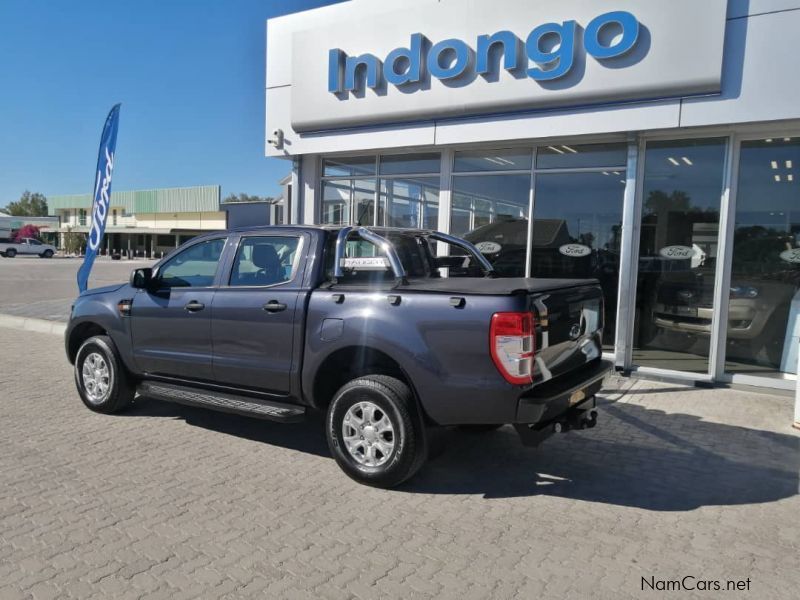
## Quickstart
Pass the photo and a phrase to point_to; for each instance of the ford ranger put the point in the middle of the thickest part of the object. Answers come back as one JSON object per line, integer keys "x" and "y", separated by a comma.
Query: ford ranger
{"x": 363, "y": 324}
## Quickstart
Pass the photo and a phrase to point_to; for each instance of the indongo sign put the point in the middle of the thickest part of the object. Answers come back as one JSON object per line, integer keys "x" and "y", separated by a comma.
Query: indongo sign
{"x": 452, "y": 58}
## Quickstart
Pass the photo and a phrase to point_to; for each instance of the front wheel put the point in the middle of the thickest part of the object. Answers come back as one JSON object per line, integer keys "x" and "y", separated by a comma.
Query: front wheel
{"x": 375, "y": 432}
{"x": 47, "y": 254}
{"x": 103, "y": 383}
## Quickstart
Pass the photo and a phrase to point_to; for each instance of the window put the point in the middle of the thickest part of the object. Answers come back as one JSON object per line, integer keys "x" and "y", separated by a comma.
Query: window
{"x": 33, "y": 242}
{"x": 764, "y": 304}
{"x": 678, "y": 253}
{"x": 193, "y": 267}
{"x": 565, "y": 156}
{"x": 404, "y": 193}
{"x": 114, "y": 216}
{"x": 264, "y": 260}
{"x": 82, "y": 217}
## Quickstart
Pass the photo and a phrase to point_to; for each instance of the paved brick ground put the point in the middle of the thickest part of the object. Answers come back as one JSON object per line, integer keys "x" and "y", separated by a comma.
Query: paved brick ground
{"x": 45, "y": 289}
{"x": 171, "y": 502}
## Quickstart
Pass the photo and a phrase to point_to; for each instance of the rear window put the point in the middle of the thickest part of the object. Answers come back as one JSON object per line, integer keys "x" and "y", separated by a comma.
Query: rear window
{"x": 362, "y": 268}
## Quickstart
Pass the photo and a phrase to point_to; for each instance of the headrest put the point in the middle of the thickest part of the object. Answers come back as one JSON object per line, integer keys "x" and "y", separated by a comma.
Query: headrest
{"x": 265, "y": 257}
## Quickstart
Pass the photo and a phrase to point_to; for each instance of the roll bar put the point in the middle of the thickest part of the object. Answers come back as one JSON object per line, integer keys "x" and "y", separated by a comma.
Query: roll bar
{"x": 394, "y": 260}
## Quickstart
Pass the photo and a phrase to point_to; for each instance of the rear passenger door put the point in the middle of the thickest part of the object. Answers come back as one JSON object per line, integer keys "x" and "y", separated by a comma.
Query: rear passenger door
{"x": 258, "y": 314}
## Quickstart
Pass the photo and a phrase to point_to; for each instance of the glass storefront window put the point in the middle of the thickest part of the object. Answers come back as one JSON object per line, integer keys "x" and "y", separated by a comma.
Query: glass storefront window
{"x": 764, "y": 305}
{"x": 682, "y": 188}
{"x": 577, "y": 231}
{"x": 494, "y": 209}
{"x": 516, "y": 159}
{"x": 349, "y": 166}
{"x": 572, "y": 156}
{"x": 406, "y": 164}
{"x": 346, "y": 201}
{"x": 409, "y": 202}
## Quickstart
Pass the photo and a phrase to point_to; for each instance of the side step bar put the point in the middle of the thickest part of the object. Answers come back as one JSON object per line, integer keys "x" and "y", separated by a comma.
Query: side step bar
{"x": 223, "y": 402}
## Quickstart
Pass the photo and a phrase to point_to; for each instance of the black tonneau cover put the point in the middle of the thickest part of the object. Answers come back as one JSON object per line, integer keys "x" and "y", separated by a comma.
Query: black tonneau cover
{"x": 485, "y": 286}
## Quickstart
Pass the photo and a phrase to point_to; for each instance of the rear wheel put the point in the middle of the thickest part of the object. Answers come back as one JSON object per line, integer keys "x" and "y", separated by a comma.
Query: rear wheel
{"x": 11, "y": 253}
{"x": 101, "y": 379}
{"x": 375, "y": 432}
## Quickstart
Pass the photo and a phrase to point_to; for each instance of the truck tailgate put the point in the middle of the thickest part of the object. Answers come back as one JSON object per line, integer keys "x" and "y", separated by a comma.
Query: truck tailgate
{"x": 568, "y": 329}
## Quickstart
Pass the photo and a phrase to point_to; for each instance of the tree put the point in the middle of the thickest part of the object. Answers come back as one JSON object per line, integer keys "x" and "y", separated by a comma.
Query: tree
{"x": 28, "y": 231}
{"x": 246, "y": 198}
{"x": 73, "y": 241}
{"x": 28, "y": 205}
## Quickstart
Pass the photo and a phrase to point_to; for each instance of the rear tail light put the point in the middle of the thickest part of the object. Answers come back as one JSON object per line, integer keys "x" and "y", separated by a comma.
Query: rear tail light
{"x": 511, "y": 344}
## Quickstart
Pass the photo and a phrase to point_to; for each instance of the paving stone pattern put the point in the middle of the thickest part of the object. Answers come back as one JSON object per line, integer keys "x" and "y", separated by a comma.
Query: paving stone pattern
{"x": 172, "y": 502}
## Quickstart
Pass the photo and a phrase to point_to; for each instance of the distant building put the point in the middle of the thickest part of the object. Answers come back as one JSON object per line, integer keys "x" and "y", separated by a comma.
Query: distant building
{"x": 9, "y": 224}
{"x": 146, "y": 222}
{"x": 247, "y": 214}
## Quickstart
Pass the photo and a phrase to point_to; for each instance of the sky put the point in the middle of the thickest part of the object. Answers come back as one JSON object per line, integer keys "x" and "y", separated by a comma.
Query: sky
{"x": 190, "y": 75}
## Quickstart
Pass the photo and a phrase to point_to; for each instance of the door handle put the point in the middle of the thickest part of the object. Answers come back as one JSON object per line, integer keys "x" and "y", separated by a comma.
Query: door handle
{"x": 274, "y": 306}
{"x": 194, "y": 306}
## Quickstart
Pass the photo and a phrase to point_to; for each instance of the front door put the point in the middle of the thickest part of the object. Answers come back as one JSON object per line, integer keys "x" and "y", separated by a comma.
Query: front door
{"x": 171, "y": 322}
{"x": 257, "y": 314}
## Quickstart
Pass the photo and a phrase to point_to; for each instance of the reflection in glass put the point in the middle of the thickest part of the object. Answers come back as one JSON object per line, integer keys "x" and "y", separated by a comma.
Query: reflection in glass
{"x": 409, "y": 202}
{"x": 577, "y": 229}
{"x": 405, "y": 164}
{"x": 348, "y": 166}
{"x": 341, "y": 197}
{"x": 492, "y": 210}
{"x": 560, "y": 156}
{"x": 764, "y": 305}
{"x": 515, "y": 159}
{"x": 678, "y": 253}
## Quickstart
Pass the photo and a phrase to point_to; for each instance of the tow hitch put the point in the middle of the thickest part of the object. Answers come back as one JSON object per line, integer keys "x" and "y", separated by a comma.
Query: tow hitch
{"x": 574, "y": 418}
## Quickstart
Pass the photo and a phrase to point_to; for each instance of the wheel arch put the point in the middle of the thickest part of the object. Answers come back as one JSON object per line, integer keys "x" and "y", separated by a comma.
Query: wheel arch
{"x": 348, "y": 363}
{"x": 79, "y": 335}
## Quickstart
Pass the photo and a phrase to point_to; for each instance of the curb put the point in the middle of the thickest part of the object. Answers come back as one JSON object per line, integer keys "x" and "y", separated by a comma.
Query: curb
{"x": 31, "y": 324}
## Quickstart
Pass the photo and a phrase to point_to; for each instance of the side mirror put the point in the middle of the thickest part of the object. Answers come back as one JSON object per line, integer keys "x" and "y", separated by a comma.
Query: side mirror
{"x": 141, "y": 278}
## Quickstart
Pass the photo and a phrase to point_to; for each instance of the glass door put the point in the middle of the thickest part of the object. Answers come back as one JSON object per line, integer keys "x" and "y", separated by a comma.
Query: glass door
{"x": 674, "y": 302}
{"x": 764, "y": 306}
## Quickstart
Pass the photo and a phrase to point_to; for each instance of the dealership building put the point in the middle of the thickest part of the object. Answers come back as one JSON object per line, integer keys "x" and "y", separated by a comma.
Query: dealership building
{"x": 654, "y": 146}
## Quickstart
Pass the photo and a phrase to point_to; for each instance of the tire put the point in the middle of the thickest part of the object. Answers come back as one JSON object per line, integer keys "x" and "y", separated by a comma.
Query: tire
{"x": 47, "y": 254}
{"x": 381, "y": 457}
{"x": 11, "y": 253}
{"x": 118, "y": 391}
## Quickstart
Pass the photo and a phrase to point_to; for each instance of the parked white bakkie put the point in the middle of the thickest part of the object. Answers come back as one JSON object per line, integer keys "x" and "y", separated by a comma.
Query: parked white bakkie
{"x": 27, "y": 246}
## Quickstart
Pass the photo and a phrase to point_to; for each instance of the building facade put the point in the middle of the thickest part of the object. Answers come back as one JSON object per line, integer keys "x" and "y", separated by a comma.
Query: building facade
{"x": 145, "y": 223}
{"x": 651, "y": 145}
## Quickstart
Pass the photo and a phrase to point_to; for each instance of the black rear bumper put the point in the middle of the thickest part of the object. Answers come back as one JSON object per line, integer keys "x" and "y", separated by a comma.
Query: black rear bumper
{"x": 564, "y": 400}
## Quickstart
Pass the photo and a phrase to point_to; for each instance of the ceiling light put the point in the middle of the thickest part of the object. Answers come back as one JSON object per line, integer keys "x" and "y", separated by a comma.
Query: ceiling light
{"x": 687, "y": 161}
{"x": 788, "y": 164}
{"x": 556, "y": 149}
{"x": 622, "y": 181}
{"x": 774, "y": 164}
{"x": 790, "y": 177}
{"x": 787, "y": 139}
{"x": 615, "y": 172}
{"x": 674, "y": 162}
{"x": 768, "y": 140}
{"x": 606, "y": 173}
{"x": 493, "y": 160}
{"x": 568, "y": 149}
{"x": 777, "y": 178}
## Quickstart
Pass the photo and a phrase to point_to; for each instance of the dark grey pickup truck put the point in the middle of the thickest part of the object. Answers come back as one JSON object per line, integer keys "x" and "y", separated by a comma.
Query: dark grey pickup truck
{"x": 364, "y": 324}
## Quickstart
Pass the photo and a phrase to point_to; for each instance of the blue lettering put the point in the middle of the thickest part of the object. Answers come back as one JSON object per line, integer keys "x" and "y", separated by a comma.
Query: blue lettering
{"x": 630, "y": 34}
{"x": 563, "y": 54}
{"x": 368, "y": 63}
{"x": 510, "y": 44}
{"x": 412, "y": 71}
{"x": 551, "y": 47}
{"x": 335, "y": 70}
{"x": 461, "y": 55}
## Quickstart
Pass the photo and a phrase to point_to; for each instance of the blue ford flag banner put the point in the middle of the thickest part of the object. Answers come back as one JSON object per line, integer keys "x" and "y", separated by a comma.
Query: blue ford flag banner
{"x": 102, "y": 195}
